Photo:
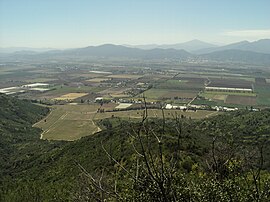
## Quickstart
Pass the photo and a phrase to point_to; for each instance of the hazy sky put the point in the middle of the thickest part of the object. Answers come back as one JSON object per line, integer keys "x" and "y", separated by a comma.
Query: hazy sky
{"x": 78, "y": 23}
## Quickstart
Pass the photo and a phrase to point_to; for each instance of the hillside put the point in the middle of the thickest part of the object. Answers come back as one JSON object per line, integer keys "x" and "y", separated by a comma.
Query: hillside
{"x": 38, "y": 170}
{"x": 116, "y": 51}
{"x": 260, "y": 46}
{"x": 20, "y": 143}
{"x": 233, "y": 55}
{"x": 189, "y": 46}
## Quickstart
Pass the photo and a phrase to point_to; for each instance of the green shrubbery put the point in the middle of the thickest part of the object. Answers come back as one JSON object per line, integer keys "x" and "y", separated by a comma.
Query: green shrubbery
{"x": 223, "y": 158}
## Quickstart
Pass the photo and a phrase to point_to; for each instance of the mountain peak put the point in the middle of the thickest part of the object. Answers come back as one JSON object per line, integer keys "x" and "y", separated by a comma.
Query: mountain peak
{"x": 195, "y": 41}
{"x": 188, "y": 46}
{"x": 261, "y": 46}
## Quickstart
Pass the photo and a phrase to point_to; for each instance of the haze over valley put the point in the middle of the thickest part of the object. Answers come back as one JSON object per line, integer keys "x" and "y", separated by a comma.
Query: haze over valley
{"x": 134, "y": 100}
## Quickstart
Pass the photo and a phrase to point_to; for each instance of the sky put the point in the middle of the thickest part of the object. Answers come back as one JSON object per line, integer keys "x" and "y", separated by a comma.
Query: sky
{"x": 80, "y": 23}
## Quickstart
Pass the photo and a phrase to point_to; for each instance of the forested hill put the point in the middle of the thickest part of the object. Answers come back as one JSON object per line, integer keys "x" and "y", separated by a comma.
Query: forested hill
{"x": 19, "y": 141}
{"x": 16, "y": 117}
{"x": 216, "y": 159}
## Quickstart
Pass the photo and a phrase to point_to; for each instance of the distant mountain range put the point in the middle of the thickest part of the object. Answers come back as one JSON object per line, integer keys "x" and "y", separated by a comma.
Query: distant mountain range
{"x": 24, "y": 49}
{"x": 110, "y": 50}
{"x": 189, "y": 46}
{"x": 257, "y": 52}
{"x": 233, "y": 55}
{"x": 261, "y": 46}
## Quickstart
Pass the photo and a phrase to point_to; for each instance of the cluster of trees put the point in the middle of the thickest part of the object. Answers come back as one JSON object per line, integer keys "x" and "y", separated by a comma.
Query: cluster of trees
{"x": 224, "y": 158}
{"x": 165, "y": 168}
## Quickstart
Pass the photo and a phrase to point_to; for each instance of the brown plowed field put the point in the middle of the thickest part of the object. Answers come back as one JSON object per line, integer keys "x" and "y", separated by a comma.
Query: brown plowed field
{"x": 230, "y": 83}
{"x": 243, "y": 100}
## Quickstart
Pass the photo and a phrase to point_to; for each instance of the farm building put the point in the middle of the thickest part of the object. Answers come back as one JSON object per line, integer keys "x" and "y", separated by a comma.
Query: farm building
{"x": 226, "y": 109}
{"x": 223, "y": 89}
{"x": 169, "y": 106}
{"x": 99, "y": 99}
{"x": 39, "y": 87}
{"x": 34, "y": 85}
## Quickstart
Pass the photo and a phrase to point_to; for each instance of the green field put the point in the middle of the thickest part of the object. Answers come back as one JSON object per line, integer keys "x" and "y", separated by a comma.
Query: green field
{"x": 158, "y": 94}
{"x": 173, "y": 84}
{"x": 222, "y": 98}
{"x": 263, "y": 94}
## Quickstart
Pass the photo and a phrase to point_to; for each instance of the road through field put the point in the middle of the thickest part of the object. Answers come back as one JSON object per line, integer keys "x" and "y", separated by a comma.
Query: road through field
{"x": 53, "y": 125}
{"x": 98, "y": 128}
{"x": 69, "y": 122}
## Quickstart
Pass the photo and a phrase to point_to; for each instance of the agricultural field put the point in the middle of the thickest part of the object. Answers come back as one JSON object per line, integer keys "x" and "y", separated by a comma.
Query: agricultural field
{"x": 86, "y": 75}
{"x": 174, "y": 86}
{"x": 61, "y": 90}
{"x": 71, "y": 96}
{"x": 75, "y": 85}
{"x": 166, "y": 94}
{"x": 118, "y": 92}
{"x": 219, "y": 98}
{"x": 177, "y": 89}
{"x": 98, "y": 80}
{"x": 231, "y": 97}
{"x": 178, "y": 85}
{"x": 260, "y": 81}
{"x": 40, "y": 80}
{"x": 230, "y": 83}
{"x": 244, "y": 100}
{"x": 263, "y": 92}
{"x": 71, "y": 122}
{"x": 156, "y": 113}
{"x": 125, "y": 76}
{"x": 223, "y": 95}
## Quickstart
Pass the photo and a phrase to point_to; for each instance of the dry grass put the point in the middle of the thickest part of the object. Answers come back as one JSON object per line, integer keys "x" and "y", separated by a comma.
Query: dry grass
{"x": 71, "y": 96}
{"x": 114, "y": 92}
{"x": 71, "y": 122}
